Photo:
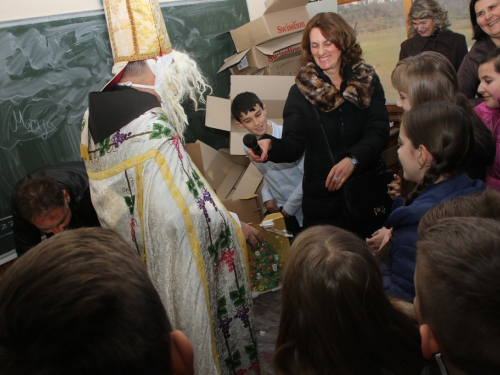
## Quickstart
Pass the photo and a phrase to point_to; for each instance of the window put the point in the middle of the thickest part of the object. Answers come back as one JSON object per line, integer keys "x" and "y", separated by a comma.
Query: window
{"x": 381, "y": 27}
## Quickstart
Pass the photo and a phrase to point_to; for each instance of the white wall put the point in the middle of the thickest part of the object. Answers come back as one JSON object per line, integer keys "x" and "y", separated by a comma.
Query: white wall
{"x": 256, "y": 7}
{"x": 22, "y": 9}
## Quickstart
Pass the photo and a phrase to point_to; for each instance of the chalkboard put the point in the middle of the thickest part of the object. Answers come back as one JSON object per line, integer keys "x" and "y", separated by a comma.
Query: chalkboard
{"x": 48, "y": 67}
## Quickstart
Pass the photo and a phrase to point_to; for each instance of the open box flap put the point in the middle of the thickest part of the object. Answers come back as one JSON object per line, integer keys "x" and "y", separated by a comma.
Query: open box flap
{"x": 279, "y": 5}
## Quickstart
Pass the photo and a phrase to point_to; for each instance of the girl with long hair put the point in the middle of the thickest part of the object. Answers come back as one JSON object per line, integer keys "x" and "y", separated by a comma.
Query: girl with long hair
{"x": 335, "y": 317}
{"x": 436, "y": 141}
{"x": 430, "y": 77}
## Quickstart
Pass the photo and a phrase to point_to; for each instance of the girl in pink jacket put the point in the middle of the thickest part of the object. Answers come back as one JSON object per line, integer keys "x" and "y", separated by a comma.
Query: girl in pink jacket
{"x": 489, "y": 110}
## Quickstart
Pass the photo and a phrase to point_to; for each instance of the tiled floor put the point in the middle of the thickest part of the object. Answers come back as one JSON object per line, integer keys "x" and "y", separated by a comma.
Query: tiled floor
{"x": 266, "y": 308}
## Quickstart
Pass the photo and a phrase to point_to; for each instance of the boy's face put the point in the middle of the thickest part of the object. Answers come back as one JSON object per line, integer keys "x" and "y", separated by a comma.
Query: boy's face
{"x": 254, "y": 121}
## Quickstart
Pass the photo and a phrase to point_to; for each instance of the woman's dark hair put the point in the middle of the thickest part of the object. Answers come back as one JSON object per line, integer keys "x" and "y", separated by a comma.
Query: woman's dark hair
{"x": 477, "y": 32}
{"x": 335, "y": 29}
{"x": 335, "y": 316}
{"x": 446, "y": 131}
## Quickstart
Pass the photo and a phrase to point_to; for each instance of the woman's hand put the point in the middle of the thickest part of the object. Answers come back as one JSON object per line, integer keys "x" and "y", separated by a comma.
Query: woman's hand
{"x": 265, "y": 145}
{"x": 339, "y": 174}
{"x": 394, "y": 188}
{"x": 378, "y": 237}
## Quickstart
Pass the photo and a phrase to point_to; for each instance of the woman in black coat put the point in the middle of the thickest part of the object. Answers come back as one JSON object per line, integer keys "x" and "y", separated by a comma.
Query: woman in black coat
{"x": 336, "y": 110}
{"x": 428, "y": 27}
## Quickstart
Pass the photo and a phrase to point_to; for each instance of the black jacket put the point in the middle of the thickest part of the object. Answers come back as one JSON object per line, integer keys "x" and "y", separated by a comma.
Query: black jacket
{"x": 72, "y": 177}
{"x": 451, "y": 45}
{"x": 350, "y": 131}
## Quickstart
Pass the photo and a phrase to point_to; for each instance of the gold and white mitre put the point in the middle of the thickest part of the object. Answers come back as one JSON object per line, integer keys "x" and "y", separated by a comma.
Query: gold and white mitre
{"x": 137, "y": 31}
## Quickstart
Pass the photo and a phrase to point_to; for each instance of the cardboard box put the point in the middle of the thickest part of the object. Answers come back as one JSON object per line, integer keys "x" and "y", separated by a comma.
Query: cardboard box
{"x": 281, "y": 17}
{"x": 234, "y": 179}
{"x": 231, "y": 176}
{"x": 261, "y": 56}
{"x": 248, "y": 209}
{"x": 286, "y": 67}
{"x": 272, "y": 90}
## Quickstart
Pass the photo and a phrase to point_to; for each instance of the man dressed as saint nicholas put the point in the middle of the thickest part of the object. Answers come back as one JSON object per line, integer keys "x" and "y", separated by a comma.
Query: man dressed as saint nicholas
{"x": 145, "y": 187}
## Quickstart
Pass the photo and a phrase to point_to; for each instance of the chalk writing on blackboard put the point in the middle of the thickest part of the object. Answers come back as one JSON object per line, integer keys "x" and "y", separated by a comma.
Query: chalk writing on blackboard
{"x": 48, "y": 66}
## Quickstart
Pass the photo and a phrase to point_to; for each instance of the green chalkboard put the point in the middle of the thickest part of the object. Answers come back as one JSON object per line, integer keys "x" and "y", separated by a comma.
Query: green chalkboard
{"x": 48, "y": 67}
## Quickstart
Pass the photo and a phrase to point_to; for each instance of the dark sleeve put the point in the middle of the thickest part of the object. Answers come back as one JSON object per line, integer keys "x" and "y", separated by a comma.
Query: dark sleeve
{"x": 26, "y": 235}
{"x": 467, "y": 77}
{"x": 87, "y": 212}
{"x": 403, "y": 52}
{"x": 399, "y": 281}
{"x": 461, "y": 50}
{"x": 376, "y": 132}
{"x": 296, "y": 116}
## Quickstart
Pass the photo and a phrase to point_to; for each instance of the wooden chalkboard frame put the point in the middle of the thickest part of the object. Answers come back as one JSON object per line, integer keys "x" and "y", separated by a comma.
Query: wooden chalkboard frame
{"x": 48, "y": 66}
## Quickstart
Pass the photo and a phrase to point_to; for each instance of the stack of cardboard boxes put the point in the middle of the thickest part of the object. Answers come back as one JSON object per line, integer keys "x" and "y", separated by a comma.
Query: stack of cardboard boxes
{"x": 270, "y": 45}
{"x": 266, "y": 62}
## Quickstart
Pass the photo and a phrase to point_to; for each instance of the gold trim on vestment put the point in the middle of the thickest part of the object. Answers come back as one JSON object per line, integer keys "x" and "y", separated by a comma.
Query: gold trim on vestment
{"x": 84, "y": 152}
{"x": 132, "y": 27}
{"x": 193, "y": 240}
{"x": 188, "y": 221}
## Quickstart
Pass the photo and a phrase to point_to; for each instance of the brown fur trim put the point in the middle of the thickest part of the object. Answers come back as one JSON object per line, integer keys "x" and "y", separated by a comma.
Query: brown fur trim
{"x": 327, "y": 97}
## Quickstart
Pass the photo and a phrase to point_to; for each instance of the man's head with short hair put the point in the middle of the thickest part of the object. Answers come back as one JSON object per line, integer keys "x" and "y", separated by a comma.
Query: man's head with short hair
{"x": 457, "y": 282}
{"x": 249, "y": 113}
{"x": 82, "y": 303}
{"x": 42, "y": 202}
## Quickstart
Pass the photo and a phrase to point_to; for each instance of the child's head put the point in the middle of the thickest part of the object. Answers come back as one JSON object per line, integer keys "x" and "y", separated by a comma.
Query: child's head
{"x": 426, "y": 77}
{"x": 82, "y": 303}
{"x": 335, "y": 317}
{"x": 484, "y": 203}
{"x": 489, "y": 74}
{"x": 457, "y": 282}
{"x": 249, "y": 113}
{"x": 435, "y": 142}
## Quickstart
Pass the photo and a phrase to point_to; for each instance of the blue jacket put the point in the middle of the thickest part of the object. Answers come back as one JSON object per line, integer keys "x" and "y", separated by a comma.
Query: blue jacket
{"x": 398, "y": 275}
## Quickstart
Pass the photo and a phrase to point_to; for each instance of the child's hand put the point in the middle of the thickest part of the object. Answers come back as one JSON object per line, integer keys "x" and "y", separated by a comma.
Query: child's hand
{"x": 375, "y": 242}
{"x": 394, "y": 188}
{"x": 271, "y": 206}
{"x": 387, "y": 238}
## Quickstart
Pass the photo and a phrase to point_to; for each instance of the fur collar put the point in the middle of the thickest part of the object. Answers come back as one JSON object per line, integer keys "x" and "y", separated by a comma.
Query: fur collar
{"x": 327, "y": 97}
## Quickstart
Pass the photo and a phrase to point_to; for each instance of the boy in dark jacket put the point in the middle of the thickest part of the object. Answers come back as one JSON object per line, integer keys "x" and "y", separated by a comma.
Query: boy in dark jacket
{"x": 50, "y": 200}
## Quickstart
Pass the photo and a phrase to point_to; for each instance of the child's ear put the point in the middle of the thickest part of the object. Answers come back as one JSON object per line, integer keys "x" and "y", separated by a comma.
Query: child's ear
{"x": 240, "y": 124}
{"x": 182, "y": 354}
{"x": 430, "y": 345}
{"x": 425, "y": 157}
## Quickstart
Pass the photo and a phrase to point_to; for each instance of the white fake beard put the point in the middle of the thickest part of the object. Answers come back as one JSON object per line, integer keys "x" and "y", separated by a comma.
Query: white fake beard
{"x": 178, "y": 77}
